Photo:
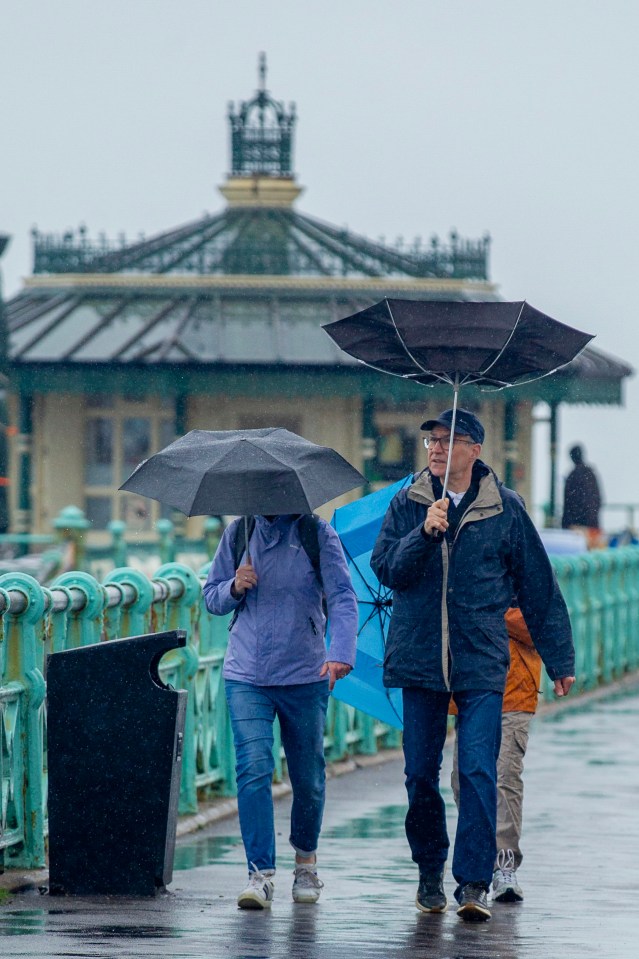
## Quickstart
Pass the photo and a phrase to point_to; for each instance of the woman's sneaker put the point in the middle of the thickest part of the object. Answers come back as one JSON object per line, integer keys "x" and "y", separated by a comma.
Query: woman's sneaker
{"x": 259, "y": 891}
{"x": 307, "y": 886}
{"x": 505, "y": 885}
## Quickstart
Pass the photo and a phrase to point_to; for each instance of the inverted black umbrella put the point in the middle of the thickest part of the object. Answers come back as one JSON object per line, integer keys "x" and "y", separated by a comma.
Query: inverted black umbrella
{"x": 493, "y": 345}
{"x": 267, "y": 472}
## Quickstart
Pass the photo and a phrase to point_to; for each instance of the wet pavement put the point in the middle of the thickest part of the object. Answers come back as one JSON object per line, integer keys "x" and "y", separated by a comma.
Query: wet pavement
{"x": 580, "y": 875}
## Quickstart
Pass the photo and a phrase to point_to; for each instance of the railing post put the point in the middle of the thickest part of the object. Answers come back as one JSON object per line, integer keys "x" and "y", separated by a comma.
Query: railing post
{"x": 117, "y": 528}
{"x": 183, "y": 613}
{"x": 219, "y": 749}
{"x": 165, "y": 530}
{"x": 213, "y": 530}
{"x": 134, "y": 618}
{"x": 84, "y": 626}
{"x": 71, "y": 524}
{"x": 21, "y": 668}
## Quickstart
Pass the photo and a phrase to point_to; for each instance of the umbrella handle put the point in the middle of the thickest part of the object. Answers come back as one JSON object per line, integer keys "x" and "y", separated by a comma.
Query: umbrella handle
{"x": 437, "y": 536}
{"x": 246, "y": 539}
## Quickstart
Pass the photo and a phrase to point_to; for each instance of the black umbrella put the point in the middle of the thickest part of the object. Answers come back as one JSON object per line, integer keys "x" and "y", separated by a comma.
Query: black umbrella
{"x": 267, "y": 472}
{"x": 493, "y": 345}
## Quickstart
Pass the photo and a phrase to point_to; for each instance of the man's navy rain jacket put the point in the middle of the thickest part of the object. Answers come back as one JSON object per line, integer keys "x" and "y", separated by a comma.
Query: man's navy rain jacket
{"x": 447, "y": 629}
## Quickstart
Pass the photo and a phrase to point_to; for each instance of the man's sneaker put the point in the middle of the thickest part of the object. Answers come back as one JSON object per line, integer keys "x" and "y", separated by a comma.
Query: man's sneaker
{"x": 307, "y": 886}
{"x": 259, "y": 891}
{"x": 505, "y": 885}
{"x": 430, "y": 892}
{"x": 473, "y": 904}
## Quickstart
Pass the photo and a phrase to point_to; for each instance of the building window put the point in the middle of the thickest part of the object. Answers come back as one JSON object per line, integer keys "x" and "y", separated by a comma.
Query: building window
{"x": 395, "y": 453}
{"x": 118, "y": 435}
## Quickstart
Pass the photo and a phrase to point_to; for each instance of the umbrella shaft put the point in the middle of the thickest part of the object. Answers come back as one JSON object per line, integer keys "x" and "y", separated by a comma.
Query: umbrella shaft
{"x": 452, "y": 435}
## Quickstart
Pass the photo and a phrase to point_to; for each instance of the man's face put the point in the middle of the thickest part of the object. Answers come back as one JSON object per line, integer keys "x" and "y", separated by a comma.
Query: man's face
{"x": 465, "y": 452}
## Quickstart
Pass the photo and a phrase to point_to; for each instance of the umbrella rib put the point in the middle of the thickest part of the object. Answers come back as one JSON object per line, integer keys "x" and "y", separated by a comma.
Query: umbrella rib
{"x": 380, "y": 369}
{"x": 358, "y": 570}
{"x": 537, "y": 376}
{"x": 505, "y": 346}
{"x": 402, "y": 341}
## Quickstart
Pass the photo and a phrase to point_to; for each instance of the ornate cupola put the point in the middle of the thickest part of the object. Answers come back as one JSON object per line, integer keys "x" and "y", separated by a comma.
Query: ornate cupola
{"x": 261, "y": 151}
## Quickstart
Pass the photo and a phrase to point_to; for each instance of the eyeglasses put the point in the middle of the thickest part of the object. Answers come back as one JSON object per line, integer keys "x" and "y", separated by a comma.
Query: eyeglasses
{"x": 444, "y": 442}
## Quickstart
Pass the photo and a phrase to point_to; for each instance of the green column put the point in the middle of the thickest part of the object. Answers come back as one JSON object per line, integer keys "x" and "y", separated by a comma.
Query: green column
{"x": 4, "y": 451}
{"x": 369, "y": 441}
{"x": 24, "y": 439}
{"x": 510, "y": 444}
{"x": 553, "y": 519}
{"x": 178, "y": 519}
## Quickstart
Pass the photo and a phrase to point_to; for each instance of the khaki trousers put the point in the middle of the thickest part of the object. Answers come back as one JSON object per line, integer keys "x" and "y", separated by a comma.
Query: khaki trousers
{"x": 510, "y": 785}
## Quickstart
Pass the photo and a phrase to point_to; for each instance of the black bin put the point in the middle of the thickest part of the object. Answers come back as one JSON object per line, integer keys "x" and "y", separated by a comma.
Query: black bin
{"x": 115, "y": 735}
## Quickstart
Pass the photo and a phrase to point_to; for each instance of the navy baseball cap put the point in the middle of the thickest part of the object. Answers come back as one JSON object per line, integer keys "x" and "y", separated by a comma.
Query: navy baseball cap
{"x": 466, "y": 423}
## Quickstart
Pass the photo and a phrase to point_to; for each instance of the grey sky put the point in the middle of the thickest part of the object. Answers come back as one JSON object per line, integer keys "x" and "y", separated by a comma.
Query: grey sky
{"x": 415, "y": 116}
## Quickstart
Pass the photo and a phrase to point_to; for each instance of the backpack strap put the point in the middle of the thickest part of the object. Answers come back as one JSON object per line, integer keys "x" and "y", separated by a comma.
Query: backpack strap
{"x": 239, "y": 543}
{"x": 307, "y": 528}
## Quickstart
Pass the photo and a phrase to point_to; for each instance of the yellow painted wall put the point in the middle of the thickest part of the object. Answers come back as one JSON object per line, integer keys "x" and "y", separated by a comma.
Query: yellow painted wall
{"x": 58, "y": 460}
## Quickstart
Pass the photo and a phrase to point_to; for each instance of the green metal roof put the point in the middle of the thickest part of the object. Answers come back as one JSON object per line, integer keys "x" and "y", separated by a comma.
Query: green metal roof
{"x": 237, "y": 298}
{"x": 260, "y": 241}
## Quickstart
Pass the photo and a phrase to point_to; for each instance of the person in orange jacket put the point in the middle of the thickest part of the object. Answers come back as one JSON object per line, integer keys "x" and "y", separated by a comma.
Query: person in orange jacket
{"x": 520, "y": 703}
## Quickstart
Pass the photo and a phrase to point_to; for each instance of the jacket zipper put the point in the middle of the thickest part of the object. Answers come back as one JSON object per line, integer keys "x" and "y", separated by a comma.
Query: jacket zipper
{"x": 313, "y": 626}
{"x": 447, "y": 656}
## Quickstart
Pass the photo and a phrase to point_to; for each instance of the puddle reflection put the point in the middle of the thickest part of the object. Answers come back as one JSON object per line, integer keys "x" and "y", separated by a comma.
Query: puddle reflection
{"x": 206, "y": 850}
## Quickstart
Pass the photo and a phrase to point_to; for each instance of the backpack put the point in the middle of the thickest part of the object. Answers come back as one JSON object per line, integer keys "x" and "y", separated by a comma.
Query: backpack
{"x": 309, "y": 538}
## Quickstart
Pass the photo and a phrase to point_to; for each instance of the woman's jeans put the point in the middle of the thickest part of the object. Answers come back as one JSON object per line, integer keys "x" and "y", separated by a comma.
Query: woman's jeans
{"x": 478, "y": 739}
{"x": 301, "y": 710}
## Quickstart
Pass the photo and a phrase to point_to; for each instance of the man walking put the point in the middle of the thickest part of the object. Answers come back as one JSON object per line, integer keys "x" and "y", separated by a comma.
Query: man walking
{"x": 582, "y": 497}
{"x": 453, "y": 565}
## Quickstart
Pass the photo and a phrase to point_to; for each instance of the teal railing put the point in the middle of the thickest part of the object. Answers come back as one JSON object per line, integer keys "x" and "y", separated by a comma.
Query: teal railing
{"x": 76, "y": 610}
{"x": 601, "y": 589}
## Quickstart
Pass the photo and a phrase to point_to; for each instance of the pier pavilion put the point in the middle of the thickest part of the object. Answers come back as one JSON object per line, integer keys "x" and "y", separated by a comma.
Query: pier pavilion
{"x": 115, "y": 348}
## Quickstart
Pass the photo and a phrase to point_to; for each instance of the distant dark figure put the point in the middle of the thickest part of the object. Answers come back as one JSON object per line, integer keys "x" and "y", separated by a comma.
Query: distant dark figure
{"x": 582, "y": 496}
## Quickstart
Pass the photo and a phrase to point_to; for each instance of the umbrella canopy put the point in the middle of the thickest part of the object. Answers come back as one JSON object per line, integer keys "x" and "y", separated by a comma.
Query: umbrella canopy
{"x": 267, "y": 472}
{"x": 454, "y": 341}
{"x": 357, "y": 525}
{"x": 432, "y": 341}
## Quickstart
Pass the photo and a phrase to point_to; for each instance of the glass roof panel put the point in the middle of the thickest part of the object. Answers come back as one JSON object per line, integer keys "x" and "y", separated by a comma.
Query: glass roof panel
{"x": 18, "y": 339}
{"x": 111, "y": 338}
{"x": 150, "y": 344}
{"x": 201, "y": 335}
{"x": 78, "y": 323}
{"x": 248, "y": 335}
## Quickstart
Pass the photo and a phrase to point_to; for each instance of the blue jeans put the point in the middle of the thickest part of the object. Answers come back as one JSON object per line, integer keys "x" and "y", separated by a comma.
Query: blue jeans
{"x": 301, "y": 710}
{"x": 479, "y": 737}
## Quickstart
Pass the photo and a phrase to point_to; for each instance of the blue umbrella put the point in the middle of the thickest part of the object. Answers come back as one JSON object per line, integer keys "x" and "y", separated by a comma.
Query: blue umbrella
{"x": 357, "y": 525}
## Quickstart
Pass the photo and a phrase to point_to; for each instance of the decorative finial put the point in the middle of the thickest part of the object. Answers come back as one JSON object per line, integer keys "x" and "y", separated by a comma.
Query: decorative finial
{"x": 262, "y": 71}
{"x": 261, "y": 133}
